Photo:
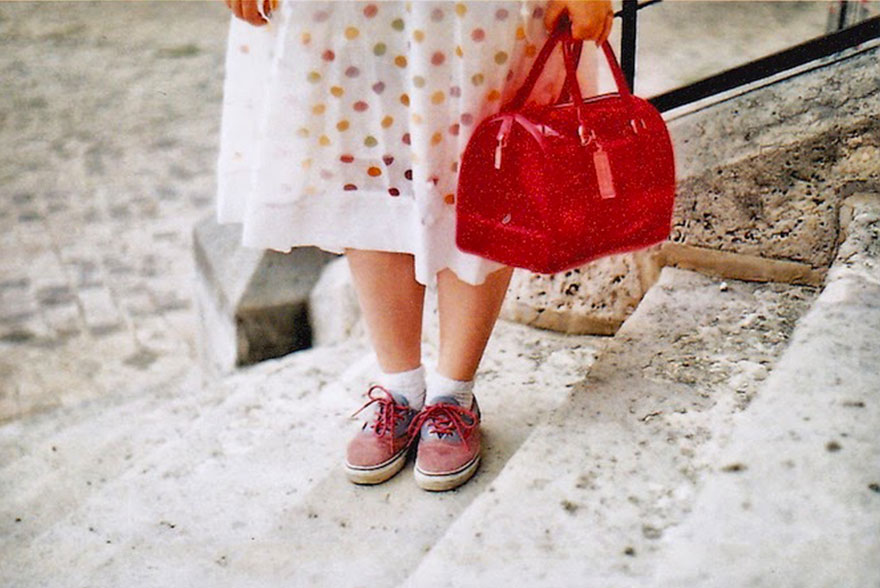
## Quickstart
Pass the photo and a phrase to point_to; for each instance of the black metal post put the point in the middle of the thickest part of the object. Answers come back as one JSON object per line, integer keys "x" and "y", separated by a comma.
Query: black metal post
{"x": 770, "y": 65}
{"x": 841, "y": 21}
{"x": 628, "y": 41}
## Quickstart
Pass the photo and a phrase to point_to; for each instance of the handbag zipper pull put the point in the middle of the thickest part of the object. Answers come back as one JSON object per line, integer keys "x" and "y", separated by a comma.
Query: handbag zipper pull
{"x": 603, "y": 172}
{"x": 502, "y": 138}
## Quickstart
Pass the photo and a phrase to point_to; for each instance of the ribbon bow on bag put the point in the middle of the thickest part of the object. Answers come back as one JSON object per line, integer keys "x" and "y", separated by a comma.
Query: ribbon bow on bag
{"x": 551, "y": 187}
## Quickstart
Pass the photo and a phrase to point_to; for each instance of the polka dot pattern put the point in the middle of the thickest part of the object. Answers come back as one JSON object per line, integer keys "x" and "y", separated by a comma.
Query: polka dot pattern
{"x": 367, "y": 111}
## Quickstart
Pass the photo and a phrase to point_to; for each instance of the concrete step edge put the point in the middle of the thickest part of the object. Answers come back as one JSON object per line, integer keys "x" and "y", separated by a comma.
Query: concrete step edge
{"x": 548, "y": 501}
{"x": 225, "y": 393}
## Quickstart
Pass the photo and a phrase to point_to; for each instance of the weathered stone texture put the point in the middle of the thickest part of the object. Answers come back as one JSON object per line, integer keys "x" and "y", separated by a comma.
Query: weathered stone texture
{"x": 738, "y": 266}
{"x": 782, "y": 204}
{"x": 598, "y": 484}
{"x": 799, "y": 471}
{"x": 594, "y": 299}
{"x": 783, "y": 112}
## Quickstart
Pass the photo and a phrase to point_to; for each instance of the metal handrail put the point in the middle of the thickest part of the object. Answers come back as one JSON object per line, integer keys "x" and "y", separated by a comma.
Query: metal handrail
{"x": 768, "y": 66}
{"x": 629, "y": 16}
{"x": 844, "y": 38}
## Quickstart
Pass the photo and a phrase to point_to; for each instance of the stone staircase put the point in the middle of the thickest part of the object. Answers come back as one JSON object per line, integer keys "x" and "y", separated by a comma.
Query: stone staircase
{"x": 723, "y": 437}
{"x": 222, "y": 472}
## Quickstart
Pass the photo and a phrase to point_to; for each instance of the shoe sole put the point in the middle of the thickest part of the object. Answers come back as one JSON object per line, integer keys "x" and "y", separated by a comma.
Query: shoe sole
{"x": 376, "y": 474}
{"x": 442, "y": 482}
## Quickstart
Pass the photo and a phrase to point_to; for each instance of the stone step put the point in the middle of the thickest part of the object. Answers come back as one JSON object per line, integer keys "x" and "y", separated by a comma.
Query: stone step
{"x": 216, "y": 422}
{"x": 588, "y": 497}
{"x": 223, "y": 504}
{"x": 798, "y": 491}
{"x": 53, "y": 461}
{"x": 343, "y": 535}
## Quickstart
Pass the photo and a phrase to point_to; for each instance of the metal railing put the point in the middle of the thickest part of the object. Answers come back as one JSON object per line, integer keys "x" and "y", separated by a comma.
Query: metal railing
{"x": 845, "y": 35}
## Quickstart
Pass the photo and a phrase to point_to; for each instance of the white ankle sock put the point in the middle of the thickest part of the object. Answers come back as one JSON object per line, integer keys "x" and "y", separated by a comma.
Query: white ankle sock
{"x": 439, "y": 385}
{"x": 409, "y": 384}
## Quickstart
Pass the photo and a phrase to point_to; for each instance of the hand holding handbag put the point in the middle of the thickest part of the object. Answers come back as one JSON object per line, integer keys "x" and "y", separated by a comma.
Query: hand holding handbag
{"x": 551, "y": 187}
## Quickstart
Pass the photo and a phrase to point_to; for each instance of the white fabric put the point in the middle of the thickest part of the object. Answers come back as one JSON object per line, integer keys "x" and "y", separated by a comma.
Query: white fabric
{"x": 292, "y": 86}
{"x": 439, "y": 387}
{"x": 409, "y": 384}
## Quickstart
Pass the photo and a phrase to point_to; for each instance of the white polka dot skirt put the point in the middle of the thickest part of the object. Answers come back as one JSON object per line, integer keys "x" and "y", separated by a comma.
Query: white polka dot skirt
{"x": 343, "y": 122}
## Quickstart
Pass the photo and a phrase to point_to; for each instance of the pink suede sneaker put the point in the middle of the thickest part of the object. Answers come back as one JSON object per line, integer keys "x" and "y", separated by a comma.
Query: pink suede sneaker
{"x": 449, "y": 444}
{"x": 379, "y": 449}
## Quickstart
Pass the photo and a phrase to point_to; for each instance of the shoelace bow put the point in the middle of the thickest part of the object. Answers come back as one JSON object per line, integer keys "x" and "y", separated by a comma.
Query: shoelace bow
{"x": 445, "y": 420}
{"x": 389, "y": 414}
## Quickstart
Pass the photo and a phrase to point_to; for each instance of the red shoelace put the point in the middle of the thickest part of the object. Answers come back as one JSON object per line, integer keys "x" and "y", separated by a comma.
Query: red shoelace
{"x": 445, "y": 419}
{"x": 389, "y": 414}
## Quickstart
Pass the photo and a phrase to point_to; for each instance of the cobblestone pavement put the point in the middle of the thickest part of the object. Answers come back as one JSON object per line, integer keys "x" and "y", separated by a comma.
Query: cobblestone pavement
{"x": 109, "y": 122}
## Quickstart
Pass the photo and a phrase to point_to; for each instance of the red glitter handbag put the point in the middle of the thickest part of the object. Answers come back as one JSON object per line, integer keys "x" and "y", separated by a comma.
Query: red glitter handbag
{"x": 551, "y": 187}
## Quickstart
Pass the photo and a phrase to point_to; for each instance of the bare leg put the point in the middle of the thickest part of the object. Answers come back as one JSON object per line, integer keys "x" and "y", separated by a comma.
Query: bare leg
{"x": 467, "y": 317}
{"x": 392, "y": 302}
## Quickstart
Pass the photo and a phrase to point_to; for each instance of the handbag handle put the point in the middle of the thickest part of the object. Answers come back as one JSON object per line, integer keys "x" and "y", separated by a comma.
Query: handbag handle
{"x": 564, "y": 95}
{"x": 570, "y": 48}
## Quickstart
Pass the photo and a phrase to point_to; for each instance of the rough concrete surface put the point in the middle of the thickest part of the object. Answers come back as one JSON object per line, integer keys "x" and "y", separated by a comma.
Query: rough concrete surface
{"x": 585, "y": 500}
{"x": 108, "y": 128}
{"x": 802, "y": 468}
{"x": 782, "y": 204}
{"x": 690, "y": 456}
{"x": 251, "y": 491}
{"x": 792, "y": 151}
{"x": 595, "y": 298}
{"x": 812, "y": 100}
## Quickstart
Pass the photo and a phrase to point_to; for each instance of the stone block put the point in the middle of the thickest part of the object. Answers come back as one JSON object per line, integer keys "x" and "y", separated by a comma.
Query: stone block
{"x": 791, "y": 493}
{"x": 738, "y": 266}
{"x": 792, "y": 151}
{"x": 252, "y": 304}
{"x": 592, "y": 299}
{"x": 783, "y": 112}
